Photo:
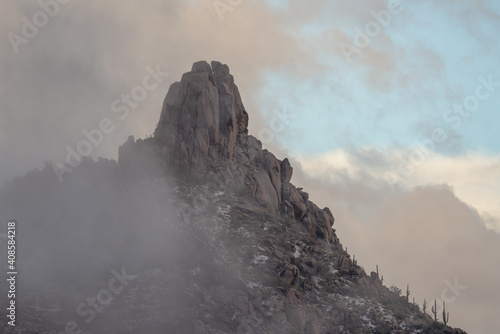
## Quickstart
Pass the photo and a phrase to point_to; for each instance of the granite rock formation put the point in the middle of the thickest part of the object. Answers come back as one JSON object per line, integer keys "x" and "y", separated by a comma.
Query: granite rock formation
{"x": 203, "y": 131}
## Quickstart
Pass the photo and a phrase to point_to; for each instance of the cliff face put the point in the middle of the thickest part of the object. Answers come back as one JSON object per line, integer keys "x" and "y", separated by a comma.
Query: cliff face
{"x": 212, "y": 233}
{"x": 202, "y": 118}
{"x": 203, "y": 132}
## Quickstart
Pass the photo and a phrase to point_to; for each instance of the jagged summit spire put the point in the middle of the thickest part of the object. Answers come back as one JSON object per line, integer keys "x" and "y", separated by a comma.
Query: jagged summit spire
{"x": 202, "y": 116}
{"x": 202, "y": 134}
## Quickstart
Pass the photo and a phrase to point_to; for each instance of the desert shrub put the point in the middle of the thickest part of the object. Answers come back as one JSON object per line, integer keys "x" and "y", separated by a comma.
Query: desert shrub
{"x": 395, "y": 289}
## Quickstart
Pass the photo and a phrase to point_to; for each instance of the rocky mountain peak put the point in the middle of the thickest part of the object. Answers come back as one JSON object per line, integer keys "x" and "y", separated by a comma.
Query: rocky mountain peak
{"x": 203, "y": 131}
{"x": 273, "y": 257}
{"x": 208, "y": 229}
{"x": 202, "y": 118}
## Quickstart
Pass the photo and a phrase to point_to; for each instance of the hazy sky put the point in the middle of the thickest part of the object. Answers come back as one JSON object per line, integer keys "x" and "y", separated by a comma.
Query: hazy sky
{"x": 392, "y": 104}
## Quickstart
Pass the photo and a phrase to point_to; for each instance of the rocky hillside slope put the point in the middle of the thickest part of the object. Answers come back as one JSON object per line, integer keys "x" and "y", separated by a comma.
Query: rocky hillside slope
{"x": 195, "y": 230}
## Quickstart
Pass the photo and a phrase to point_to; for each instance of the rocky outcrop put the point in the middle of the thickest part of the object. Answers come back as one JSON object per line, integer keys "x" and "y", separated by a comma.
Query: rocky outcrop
{"x": 203, "y": 131}
{"x": 201, "y": 118}
{"x": 308, "y": 283}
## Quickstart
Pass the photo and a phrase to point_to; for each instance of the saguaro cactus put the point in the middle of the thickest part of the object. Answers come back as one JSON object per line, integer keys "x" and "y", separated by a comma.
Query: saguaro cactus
{"x": 377, "y": 272}
{"x": 424, "y": 307}
{"x": 407, "y": 292}
{"x": 434, "y": 310}
{"x": 446, "y": 315}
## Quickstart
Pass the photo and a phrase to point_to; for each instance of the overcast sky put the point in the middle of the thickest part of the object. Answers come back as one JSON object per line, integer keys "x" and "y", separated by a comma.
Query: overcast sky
{"x": 388, "y": 111}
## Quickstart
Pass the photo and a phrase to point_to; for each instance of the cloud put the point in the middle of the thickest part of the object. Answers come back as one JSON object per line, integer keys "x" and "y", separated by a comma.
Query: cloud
{"x": 473, "y": 176}
{"x": 66, "y": 77}
{"x": 64, "y": 80}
